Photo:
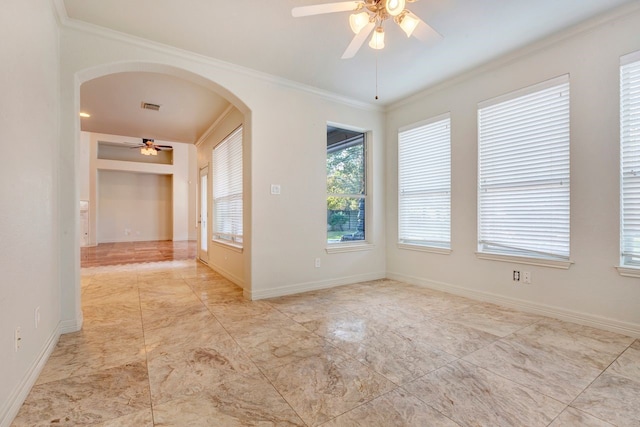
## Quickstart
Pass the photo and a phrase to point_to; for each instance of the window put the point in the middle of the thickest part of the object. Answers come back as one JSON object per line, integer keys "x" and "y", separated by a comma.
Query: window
{"x": 523, "y": 173}
{"x": 424, "y": 181}
{"x": 227, "y": 189}
{"x": 630, "y": 159}
{"x": 346, "y": 185}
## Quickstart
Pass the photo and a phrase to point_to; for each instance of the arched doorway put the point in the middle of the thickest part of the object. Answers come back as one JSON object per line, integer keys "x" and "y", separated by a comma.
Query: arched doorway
{"x": 236, "y": 108}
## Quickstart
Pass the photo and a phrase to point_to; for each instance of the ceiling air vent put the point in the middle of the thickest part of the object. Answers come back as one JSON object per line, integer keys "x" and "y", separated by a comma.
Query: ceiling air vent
{"x": 149, "y": 106}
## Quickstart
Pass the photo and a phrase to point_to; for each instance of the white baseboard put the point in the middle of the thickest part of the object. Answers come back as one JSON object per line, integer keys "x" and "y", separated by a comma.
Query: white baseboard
{"x": 11, "y": 407}
{"x": 312, "y": 286}
{"x": 625, "y": 328}
{"x": 69, "y": 326}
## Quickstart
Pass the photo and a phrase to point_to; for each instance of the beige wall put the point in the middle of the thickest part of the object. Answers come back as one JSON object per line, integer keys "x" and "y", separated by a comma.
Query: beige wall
{"x": 591, "y": 291}
{"x": 134, "y": 206}
{"x": 103, "y": 228}
{"x": 227, "y": 260}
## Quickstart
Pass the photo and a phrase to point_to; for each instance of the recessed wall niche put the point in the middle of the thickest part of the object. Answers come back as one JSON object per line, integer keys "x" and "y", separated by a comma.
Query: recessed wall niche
{"x": 131, "y": 153}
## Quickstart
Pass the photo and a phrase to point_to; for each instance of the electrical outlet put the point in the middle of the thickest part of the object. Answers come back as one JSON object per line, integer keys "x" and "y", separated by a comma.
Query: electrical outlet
{"x": 526, "y": 277}
{"x": 516, "y": 276}
{"x": 317, "y": 262}
{"x": 36, "y": 317}
{"x": 17, "y": 339}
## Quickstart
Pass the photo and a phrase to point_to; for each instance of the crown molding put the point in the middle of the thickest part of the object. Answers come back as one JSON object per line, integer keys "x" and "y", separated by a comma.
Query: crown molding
{"x": 107, "y": 33}
{"x": 214, "y": 125}
{"x": 515, "y": 55}
{"x": 61, "y": 11}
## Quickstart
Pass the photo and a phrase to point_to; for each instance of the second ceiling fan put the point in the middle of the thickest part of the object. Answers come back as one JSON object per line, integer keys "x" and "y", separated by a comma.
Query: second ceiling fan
{"x": 150, "y": 148}
{"x": 368, "y": 16}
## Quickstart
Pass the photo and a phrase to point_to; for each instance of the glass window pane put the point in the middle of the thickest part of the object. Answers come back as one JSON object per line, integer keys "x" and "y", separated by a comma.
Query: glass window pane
{"x": 345, "y": 170}
{"x": 345, "y": 219}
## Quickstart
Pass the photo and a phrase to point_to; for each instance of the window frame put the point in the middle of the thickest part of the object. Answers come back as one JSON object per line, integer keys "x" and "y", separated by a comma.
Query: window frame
{"x": 234, "y": 241}
{"x": 523, "y": 255}
{"x": 629, "y": 263}
{"x": 427, "y": 150}
{"x": 366, "y": 243}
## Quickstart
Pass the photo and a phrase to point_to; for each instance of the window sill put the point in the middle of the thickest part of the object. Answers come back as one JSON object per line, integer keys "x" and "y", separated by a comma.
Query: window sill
{"x": 420, "y": 248}
{"x": 341, "y": 247}
{"x": 628, "y": 271}
{"x": 227, "y": 245}
{"x": 563, "y": 265}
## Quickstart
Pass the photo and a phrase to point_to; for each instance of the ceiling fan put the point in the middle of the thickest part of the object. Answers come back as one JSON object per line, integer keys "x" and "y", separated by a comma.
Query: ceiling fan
{"x": 368, "y": 16}
{"x": 148, "y": 148}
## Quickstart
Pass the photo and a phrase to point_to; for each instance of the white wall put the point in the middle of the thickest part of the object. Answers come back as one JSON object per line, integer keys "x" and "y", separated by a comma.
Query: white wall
{"x": 29, "y": 109}
{"x": 134, "y": 207}
{"x": 591, "y": 291}
{"x": 289, "y": 230}
{"x": 84, "y": 170}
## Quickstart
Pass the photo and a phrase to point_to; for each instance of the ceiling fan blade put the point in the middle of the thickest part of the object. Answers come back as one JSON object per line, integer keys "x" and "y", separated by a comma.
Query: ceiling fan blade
{"x": 358, "y": 41}
{"x": 318, "y": 9}
{"x": 168, "y": 147}
{"x": 425, "y": 33}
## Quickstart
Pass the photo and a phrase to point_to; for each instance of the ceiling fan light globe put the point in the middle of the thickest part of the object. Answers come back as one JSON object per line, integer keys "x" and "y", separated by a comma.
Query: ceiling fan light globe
{"x": 394, "y": 7}
{"x": 377, "y": 39}
{"x": 408, "y": 22}
{"x": 358, "y": 21}
{"x": 148, "y": 151}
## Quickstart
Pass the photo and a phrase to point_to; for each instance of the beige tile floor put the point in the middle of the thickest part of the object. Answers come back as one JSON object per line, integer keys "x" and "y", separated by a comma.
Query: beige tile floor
{"x": 175, "y": 344}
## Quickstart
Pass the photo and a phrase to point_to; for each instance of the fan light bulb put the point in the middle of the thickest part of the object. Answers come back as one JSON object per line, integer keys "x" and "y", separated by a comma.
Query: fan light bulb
{"x": 358, "y": 21}
{"x": 394, "y": 7}
{"x": 148, "y": 151}
{"x": 408, "y": 22}
{"x": 377, "y": 40}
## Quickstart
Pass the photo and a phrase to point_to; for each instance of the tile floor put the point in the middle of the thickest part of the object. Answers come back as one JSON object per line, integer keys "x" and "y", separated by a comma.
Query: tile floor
{"x": 175, "y": 344}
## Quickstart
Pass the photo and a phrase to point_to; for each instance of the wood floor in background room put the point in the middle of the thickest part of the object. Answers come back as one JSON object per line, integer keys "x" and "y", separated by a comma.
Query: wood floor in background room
{"x": 175, "y": 344}
{"x": 136, "y": 252}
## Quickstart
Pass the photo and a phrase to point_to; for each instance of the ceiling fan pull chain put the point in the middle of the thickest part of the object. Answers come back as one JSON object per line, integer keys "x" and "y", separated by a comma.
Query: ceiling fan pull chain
{"x": 376, "y": 74}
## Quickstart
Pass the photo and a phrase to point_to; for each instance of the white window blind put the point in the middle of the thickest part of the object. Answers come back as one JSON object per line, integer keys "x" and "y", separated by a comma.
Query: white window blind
{"x": 227, "y": 188}
{"x": 523, "y": 182}
{"x": 630, "y": 159}
{"x": 424, "y": 179}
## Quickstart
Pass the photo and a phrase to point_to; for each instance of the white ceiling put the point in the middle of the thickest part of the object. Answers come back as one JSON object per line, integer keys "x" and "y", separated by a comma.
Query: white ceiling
{"x": 262, "y": 35}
